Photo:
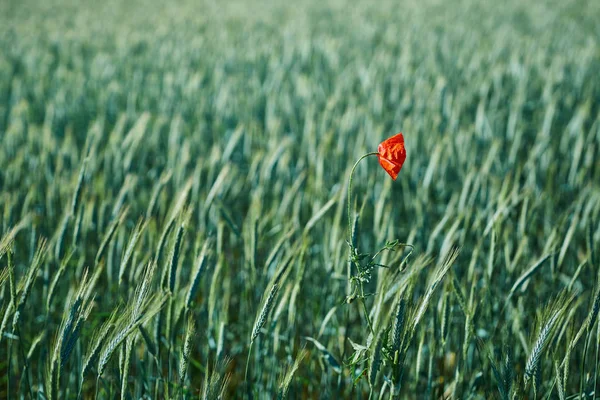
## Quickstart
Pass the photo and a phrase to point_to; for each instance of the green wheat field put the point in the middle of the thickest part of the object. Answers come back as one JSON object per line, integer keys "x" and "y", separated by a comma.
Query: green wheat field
{"x": 174, "y": 198}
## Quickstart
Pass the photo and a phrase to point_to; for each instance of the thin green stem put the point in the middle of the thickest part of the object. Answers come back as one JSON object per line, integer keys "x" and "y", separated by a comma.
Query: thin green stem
{"x": 362, "y": 301}
{"x": 25, "y": 372}
{"x": 349, "y": 199}
{"x": 350, "y": 194}
{"x": 248, "y": 361}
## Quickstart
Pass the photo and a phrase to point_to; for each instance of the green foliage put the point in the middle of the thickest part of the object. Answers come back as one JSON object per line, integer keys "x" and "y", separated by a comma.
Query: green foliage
{"x": 174, "y": 199}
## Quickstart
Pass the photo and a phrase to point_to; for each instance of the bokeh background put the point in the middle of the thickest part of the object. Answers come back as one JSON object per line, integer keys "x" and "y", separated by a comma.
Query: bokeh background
{"x": 173, "y": 193}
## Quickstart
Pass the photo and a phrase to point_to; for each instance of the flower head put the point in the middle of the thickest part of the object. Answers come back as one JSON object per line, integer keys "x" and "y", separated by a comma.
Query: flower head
{"x": 391, "y": 154}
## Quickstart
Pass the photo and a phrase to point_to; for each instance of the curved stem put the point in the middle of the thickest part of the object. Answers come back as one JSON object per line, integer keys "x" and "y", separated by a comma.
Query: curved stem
{"x": 350, "y": 192}
{"x": 349, "y": 272}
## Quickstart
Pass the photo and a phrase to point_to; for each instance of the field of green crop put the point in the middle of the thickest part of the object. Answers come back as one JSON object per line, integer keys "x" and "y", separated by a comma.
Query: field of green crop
{"x": 174, "y": 199}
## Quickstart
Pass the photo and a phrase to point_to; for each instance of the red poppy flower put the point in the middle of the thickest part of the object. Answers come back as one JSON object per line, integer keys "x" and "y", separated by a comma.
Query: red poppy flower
{"x": 392, "y": 154}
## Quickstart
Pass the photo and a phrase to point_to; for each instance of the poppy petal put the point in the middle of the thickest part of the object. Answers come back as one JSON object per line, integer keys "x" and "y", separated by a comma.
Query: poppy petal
{"x": 392, "y": 154}
{"x": 389, "y": 167}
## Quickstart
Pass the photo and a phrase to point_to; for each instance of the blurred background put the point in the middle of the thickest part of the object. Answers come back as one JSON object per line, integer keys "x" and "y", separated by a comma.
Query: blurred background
{"x": 173, "y": 193}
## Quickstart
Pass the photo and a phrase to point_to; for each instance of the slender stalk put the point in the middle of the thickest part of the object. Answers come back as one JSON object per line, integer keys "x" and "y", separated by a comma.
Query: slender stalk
{"x": 248, "y": 361}
{"x": 350, "y": 192}
{"x": 352, "y": 250}
{"x": 349, "y": 199}
{"x": 364, "y": 304}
